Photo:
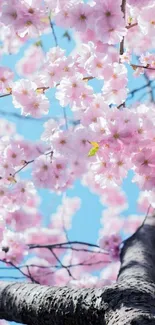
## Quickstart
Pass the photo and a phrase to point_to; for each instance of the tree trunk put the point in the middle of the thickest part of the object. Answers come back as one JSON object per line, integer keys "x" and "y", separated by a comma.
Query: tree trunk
{"x": 130, "y": 301}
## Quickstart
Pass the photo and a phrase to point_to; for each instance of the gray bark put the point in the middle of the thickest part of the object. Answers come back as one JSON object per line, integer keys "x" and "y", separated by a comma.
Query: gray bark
{"x": 130, "y": 301}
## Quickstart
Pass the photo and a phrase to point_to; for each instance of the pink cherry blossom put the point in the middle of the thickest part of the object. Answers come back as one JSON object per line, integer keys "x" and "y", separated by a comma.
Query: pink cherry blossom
{"x": 28, "y": 18}
{"x": 144, "y": 161}
{"x": 31, "y": 62}
{"x": 79, "y": 16}
{"x": 20, "y": 220}
{"x": 6, "y": 80}
{"x": 64, "y": 213}
{"x": 39, "y": 270}
{"x": 25, "y": 96}
{"x": 146, "y": 202}
{"x": 14, "y": 154}
{"x": 111, "y": 244}
{"x": 12, "y": 248}
{"x": 146, "y": 19}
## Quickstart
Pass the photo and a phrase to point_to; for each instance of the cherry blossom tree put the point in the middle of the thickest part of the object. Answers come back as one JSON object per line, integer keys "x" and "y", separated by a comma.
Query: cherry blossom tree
{"x": 107, "y": 134}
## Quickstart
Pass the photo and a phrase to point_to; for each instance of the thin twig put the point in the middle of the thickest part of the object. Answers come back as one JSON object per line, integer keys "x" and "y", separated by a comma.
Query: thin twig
{"x": 123, "y": 8}
{"x": 132, "y": 92}
{"x": 62, "y": 265}
{"x": 18, "y": 268}
{"x": 135, "y": 66}
{"x": 12, "y": 277}
{"x": 31, "y": 118}
{"x": 53, "y": 32}
{"x": 147, "y": 213}
{"x": 132, "y": 25}
{"x": 24, "y": 117}
{"x": 121, "y": 50}
{"x": 4, "y": 95}
{"x": 150, "y": 92}
{"x": 32, "y": 246}
{"x": 121, "y": 105}
{"x": 47, "y": 88}
{"x": 65, "y": 118}
{"x": 26, "y": 163}
{"x": 54, "y": 266}
{"x": 21, "y": 168}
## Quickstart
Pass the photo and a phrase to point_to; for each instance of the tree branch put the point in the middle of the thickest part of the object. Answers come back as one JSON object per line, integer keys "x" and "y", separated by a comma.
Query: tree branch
{"x": 60, "y": 245}
{"x": 130, "y": 301}
{"x": 150, "y": 89}
{"x": 43, "y": 89}
{"x": 53, "y": 31}
{"x": 132, "y": 92}
{"x": 42, "y": 305}
{"x": 138, "y": 254}
{"x": 135, "y": 66}
{"x": 131, "y": 25}
{"x": 123, "y": 7}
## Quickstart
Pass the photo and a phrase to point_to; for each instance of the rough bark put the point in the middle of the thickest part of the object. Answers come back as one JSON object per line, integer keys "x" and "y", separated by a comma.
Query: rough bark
{"x": 130, "y": 301}
{"x": 41, "y": 305}
{"x": 136, "y": 278}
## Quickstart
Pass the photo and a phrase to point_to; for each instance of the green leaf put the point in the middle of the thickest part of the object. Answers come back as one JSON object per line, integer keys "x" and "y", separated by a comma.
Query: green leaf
{"x": 38, "y": 43}
{"x": 92, "y": 151}
{"x": 94, "y": 144}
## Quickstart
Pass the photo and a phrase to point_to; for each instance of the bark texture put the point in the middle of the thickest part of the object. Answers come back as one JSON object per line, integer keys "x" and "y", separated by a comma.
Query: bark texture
{"x": 41, "y": 305}
{"x": 131, "y": 301}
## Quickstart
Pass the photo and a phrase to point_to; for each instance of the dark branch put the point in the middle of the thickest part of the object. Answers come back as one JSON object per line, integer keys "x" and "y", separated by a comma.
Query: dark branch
{"x": 150, "y": 89}
{"x": 53, "y": 32}
{"x": 42, "y": 305}
{"x": 123, "y": 8}
{"x": 130, "y": 301}
{"x": 31, "y": 246}
{"x": 138, "y": 254}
